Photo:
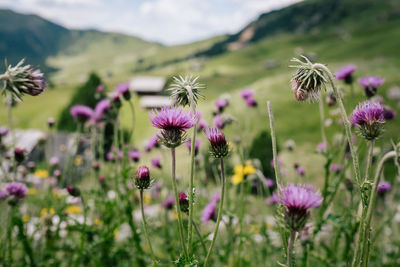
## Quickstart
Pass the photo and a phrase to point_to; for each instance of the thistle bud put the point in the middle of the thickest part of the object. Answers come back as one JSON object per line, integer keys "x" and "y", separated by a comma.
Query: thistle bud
{"x": 219, "y": 146}
{"x": 50, "y": 122}
{"x": 142, "y": 178}
{"x": 183, "y": 202}
{"x": 21, "y": 80}
{"x": 73, "y": 191}
{"x": 19, "y": 155}
{"x": 123, "y": 89}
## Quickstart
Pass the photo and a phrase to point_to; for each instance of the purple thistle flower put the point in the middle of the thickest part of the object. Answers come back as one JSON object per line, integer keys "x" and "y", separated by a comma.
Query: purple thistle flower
{"x": 345, "y": 73}
{"x": 388, "y": 113}
{"x": 197, "y": 144}
{"x": 369, "y": 117}
{"x": 173, "y": 123}
{"x": 156, "y": 162}
{"x": 209, "y": 212}
{"x": 269, "y": 182}
{"x": 100, "y": 88}
{"x": 246, "y": 93}
{"x": 16, "y": 190}
{"x": 143, "y": 178}
{"x": 134, "y": 155}
{"x": 151, "y": 143}
{"x": 73, "y": 191}
{"x": 102, "y": 107}
{"x": 116, "y": 100}
{"x": 274, "y": 199}
{"x": 219, "y": 146}
{"x": 337, "y": 168}
{"x": 110, "y": 156}
{"x": 50, "y": 122}
{"x": 3, "y": 194}
{"x": 301, "y": 170}
{"x": 31, "y": 165}
{"x": 123, "y": 89}
{"x": 384, "y": 187}
{"x": 81, "y": 113}
{"x": 19, "y": 154}
{"x": 221, "y": 104}
{"x": 202, "y": 125}
{"x": 298, "y": 200}
{"x": 54, "y": 161}
{"x": 183, "y": 202}
{"x": 251, "y": 102}
{"x": 321, "y": 147}
{"x": 3, "y": 131}
{"x": 57, "y": 173}
{"x": 219, "y": 122}
{"x": 370, "y": 84}
{"x": 168, "y": 203}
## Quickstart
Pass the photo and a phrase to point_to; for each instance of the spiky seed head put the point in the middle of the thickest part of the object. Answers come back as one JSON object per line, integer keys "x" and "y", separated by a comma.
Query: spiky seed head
{"x": 186, "y": 90}
{"x": 307, "y": 80}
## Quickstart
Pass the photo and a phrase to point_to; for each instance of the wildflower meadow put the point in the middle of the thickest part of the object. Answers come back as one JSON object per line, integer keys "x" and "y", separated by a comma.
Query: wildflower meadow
{"x": 207, "y": 177}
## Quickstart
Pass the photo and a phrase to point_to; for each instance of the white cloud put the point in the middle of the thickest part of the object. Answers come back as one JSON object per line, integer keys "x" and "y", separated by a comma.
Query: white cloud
{"x": 168, "y": 21}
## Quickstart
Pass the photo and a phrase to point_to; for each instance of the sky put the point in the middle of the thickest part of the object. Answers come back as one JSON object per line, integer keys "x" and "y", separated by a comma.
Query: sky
{"x": 166, "y": 21}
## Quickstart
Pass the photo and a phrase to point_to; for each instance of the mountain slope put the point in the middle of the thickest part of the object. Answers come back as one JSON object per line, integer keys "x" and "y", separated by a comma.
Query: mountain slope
{"x": 36, "y": 39}
{"x": 312, "y": 16}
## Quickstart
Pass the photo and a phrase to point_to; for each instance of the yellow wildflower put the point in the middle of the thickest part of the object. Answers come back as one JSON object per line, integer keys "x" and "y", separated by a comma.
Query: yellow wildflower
{"x": 248, "y": 169}
{"x": 73, "y": 209}
{"x": 78, "y": 160}
{"x": 237, "y": 179}
{"x": 25, "y": 218}
{"x": 32, "y": 191}
{"x": 42, "y": 174}
{"x": 46, "y": 211}
{"x": 238, "y": 169}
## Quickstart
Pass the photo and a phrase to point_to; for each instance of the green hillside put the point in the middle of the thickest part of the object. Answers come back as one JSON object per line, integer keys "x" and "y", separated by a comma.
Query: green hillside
{"x": 117, "y": 60}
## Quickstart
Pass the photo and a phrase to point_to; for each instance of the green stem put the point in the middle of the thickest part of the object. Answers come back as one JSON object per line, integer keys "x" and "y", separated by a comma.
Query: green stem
{"x": 178, "y": 208}
{"x": 200, "y": 237}
{"x": 322, "y": 121}
{"x": 290, "y": 256}
{"x": 345, "y": 119}
{"x": 362, "y": 232}
{"x": 133, "y": 119}
{"x": 372, "y": 201}
{"x": 191, "y": 190}
{"x": 221, "y": 205}
{"x": 277, "y": 174}
{"x": 145, "y": 229}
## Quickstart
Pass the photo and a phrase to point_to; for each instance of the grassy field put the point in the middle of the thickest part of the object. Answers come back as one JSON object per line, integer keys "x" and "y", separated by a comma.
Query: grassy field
{"x": 371, "y": 51}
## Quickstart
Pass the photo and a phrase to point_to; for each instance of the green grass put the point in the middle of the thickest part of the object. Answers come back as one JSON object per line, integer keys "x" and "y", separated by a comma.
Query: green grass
{"x": 229, "y": 73}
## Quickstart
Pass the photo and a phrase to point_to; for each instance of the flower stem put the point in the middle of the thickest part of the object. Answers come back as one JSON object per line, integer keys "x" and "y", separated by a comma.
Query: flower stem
{"x": 178, "y": 208}
{"x": 290, "y": 256}
{"x": 277, "y": 174}
{"x": 371, "y": 205}
{"x": 322, "y": 121}
{"x": 345, "y": 119}
{"x": 200, "y": 237}
{"x": 362, "y": 232}
{"x": 9, "y": 235}
{"x": 191, "y": 187}
{"x": 221, "y": 205}
{"x": 145, "y": 229}
{"x": 133, "y": 119}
